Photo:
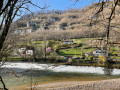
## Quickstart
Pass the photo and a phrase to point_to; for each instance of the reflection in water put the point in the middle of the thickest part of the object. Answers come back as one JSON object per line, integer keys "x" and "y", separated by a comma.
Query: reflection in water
{"x": 39, "y": 76}
{"x": 108, "y": 69}
{"x": 62, "y": 72}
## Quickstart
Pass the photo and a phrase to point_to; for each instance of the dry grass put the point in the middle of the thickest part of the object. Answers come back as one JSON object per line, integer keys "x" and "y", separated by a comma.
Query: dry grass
{"x": 77, "y": 20}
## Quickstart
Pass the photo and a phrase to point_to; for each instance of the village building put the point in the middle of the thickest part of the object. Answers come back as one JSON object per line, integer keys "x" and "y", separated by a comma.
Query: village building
{"x": 68, "y": 42}
{"x": 29, "y": 52}
{"x": 100, "y": 52}
{"x": 26, "y": 51}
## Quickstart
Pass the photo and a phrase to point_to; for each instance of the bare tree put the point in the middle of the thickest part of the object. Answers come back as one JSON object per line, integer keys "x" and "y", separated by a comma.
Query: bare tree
{"x": 9, "y": 9}
{"x": 114, "y": 3}
{"x": 102, "y": 4}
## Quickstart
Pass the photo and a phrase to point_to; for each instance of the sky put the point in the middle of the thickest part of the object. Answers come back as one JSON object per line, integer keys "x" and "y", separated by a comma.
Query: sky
{"x": 56, "y": 5}
{"x": 61, "y": 4}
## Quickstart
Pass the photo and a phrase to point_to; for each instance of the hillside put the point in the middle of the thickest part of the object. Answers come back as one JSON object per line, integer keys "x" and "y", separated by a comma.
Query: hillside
{"x": 83, "y": 20}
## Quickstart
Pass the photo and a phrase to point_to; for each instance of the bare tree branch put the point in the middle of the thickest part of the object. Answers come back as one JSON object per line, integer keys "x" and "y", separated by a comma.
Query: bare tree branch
{"x": 110, "y": 18}
{"x": 4, "y": 86}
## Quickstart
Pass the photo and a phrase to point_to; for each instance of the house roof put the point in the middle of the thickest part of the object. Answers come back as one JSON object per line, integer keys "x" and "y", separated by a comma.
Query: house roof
{"x": 68, "y": 40}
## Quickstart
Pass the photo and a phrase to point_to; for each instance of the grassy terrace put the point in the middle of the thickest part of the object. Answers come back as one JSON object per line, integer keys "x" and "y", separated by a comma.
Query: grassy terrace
{"x": 82, "y": 40}
{"x": 38, "y": 43}
{"x": 75, "y": 51}
{"x": 78, "y": 50}
{"x": 15, "y": 58}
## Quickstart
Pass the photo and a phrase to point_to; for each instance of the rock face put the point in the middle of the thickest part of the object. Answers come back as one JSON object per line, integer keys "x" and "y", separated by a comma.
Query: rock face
{"x": 113, "y": 84}
{"x": 76, "y": 19}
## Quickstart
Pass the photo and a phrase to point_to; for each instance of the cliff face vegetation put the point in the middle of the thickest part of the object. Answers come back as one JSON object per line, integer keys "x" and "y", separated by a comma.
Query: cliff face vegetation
{"x": 73, "y": 20}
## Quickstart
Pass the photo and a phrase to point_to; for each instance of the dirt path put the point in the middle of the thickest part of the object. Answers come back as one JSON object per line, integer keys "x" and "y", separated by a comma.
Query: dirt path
{"x": 113, "y": 84}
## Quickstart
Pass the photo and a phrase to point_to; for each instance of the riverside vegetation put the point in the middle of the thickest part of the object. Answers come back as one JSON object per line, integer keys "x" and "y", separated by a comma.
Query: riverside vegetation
{"x": 60, "y": 53}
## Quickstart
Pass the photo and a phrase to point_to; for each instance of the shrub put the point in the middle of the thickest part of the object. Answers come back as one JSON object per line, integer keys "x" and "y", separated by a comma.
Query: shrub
{"x": 90, "y": 58}
{"x": 114, "y": 54}
{"x": 51, "y": 43}
{"x": 52, "y": 58}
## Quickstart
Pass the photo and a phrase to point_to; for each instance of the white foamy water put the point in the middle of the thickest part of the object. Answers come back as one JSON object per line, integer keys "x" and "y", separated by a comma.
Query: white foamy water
{"x": 61, "y": 68}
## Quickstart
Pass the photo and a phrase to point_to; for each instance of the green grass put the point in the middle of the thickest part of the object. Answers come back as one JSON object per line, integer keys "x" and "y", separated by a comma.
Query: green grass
{"x": 38, "y": 43}
{"x": 116, "y": 57}
{"x": 75, "y": 51}
{"x": 15, "y": 58}
{"x": 82, "y": 40}
{"x": 79, "y": 50}
{"x": 115, "y": 48}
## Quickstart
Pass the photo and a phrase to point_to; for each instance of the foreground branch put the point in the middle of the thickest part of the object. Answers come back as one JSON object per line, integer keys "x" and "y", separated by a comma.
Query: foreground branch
{"x": 4, "y": 87}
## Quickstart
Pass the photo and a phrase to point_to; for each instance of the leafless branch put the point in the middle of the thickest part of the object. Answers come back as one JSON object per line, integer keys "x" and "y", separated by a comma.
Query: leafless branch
{"x": 4, "y": 86}
{"x": 110, "y": 18}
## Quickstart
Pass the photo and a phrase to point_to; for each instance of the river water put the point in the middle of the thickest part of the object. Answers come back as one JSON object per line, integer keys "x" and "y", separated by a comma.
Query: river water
{"x": 21, "y": 72}
{"x": 20, "y": 67}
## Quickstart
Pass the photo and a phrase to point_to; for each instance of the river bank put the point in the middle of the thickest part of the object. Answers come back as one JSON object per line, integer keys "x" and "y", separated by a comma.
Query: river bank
{"x": 110, "y": 84}
{"x": 113, "y": 84}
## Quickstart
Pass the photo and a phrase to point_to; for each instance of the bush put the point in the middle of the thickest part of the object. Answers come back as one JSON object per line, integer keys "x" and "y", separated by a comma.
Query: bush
{"x": 90, "y": 58}
{"x": 52, "y": 58}
{"x": 79, "y": 44}
{"x": 114, "y": 54}
{"x": 51, "y": 43}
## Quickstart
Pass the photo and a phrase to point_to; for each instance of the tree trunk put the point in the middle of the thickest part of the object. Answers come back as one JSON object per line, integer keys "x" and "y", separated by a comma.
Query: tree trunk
{"x": 1, "y": 4}
{"x": 8, "y": 22}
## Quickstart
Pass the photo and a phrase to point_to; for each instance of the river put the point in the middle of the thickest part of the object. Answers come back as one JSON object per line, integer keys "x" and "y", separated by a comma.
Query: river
{"x": 24, "y": 73}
